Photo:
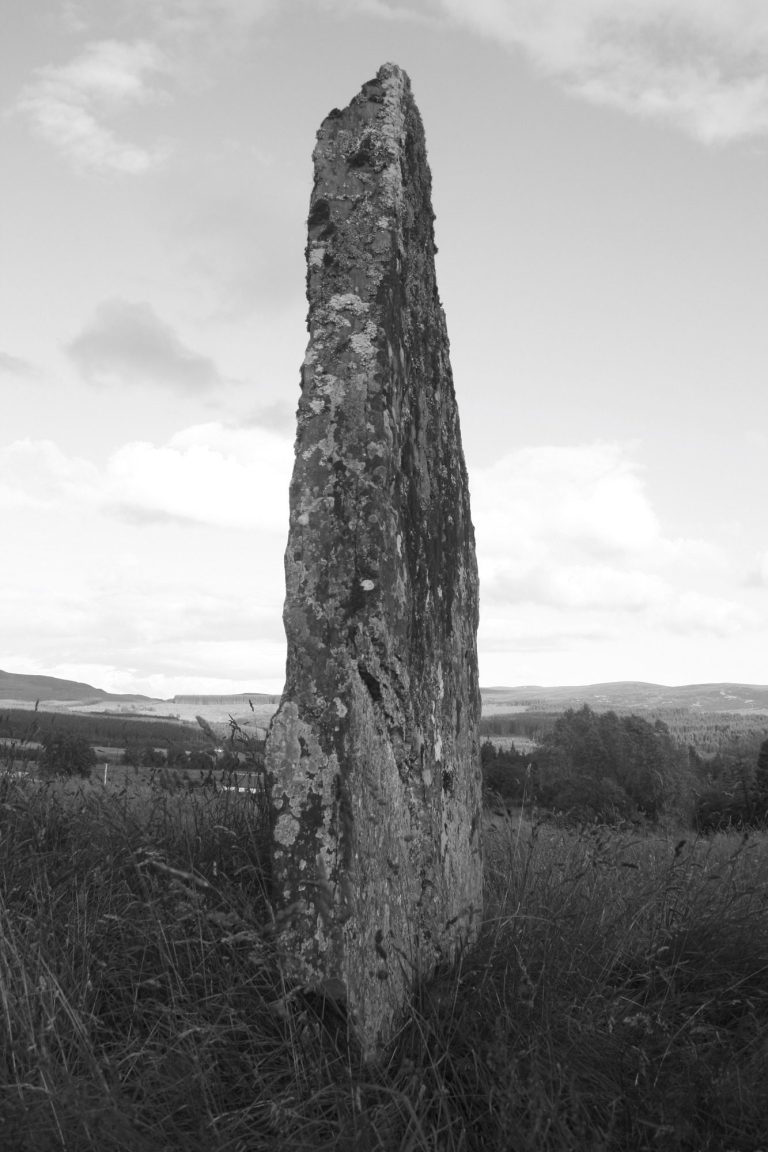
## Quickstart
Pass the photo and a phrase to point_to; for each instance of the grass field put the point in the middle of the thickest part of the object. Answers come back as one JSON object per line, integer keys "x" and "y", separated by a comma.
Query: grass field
{"x": 617, "y": 999}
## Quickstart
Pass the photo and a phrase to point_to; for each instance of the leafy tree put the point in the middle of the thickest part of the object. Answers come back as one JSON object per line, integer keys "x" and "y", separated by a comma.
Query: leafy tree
{"x": 717, "y": 810}
{"x": 738, "y": 796}
{"x": 604, "y": 762}
{"x": 177, "y": 757}
{"x": 648, "y": 764}
{"x": 584, "y": 798}
{"x": 505, "y": 771}
{"x": 201, "y": 761}
{"x": 580, "y": 736}
{"x": 64, "y": 754}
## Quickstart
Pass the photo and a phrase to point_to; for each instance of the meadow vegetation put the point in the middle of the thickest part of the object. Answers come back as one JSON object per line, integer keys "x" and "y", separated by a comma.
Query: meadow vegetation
{"x": 616, "y": 1000}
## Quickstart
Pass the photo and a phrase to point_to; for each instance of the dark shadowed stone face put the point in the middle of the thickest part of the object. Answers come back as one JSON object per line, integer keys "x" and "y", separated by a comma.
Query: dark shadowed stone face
{"x": 373, "y": 757}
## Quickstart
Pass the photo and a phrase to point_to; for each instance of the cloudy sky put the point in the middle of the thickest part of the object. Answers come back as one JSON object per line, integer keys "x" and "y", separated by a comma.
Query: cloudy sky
{"x": 600, "y": 179}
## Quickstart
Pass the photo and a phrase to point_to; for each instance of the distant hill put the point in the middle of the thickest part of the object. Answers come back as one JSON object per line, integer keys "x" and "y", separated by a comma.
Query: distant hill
{"x": 233, "y": 698}
{"x": 629, "y": 695}
{"x": 17, "y": 686}
{"x": 621, "y": 696}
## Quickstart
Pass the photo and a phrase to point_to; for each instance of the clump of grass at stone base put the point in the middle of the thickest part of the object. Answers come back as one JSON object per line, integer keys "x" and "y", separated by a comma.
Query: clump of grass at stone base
{"x": 617, "y": 998}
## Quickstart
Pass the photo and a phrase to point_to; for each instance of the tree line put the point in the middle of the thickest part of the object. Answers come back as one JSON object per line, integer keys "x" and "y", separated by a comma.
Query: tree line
{"x": 531, "y": 725}
{"x": 710, "y": 733}
{"x": 601, "y": 766}
{"x": 61, "y": 750}
{"x": 595, "y": 766}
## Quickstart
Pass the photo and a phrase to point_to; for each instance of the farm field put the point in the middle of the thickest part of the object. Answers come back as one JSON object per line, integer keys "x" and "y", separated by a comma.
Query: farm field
{"x": 616, "y": 1000}
{"x": 184, "y": 713}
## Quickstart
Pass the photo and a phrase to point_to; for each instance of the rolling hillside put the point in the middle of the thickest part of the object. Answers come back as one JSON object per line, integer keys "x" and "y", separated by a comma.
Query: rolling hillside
{"x": 629, "y": 695}
{"x": 26, "y": 689}
{"x": 621, "y": 696}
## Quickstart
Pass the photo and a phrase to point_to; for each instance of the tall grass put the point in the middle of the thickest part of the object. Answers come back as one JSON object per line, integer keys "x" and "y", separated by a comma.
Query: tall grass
{"x": 617, "y": 998}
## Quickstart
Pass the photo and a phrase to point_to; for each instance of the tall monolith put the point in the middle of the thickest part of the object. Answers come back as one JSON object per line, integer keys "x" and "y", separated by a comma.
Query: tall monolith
{"x": 373, "y": 755}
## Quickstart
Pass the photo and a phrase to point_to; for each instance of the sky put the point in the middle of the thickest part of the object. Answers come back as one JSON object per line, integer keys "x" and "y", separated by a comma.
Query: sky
{"x": 600, "y": 176}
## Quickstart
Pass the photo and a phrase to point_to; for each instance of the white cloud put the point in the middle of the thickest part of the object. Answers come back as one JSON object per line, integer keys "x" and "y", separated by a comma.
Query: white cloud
{"x": 164, "y": 567}
{"x": 252, "y": 664}
{"x": 15, "y": 366}
{"x": 758, "y": 576}
{"x": 693, "y": 612}
{"x": 575, "y": 587}
{"x": 584, "y": 501}
{"x": 570, "y": 548}
{"x": 700, "y": 64}
{"x": 236, "y": 478}
{"x": 36, "y": 474}
{"x": 137, "y": 605}
{"x": 277, "y": 417}
{"x": 268, "y": 676}
{"x": 237, "y": 250}
{"x": 536, "y": 628}
{"x": 413, "y": 12}
{"x": 70, "y": 105}
{"x": 127, "y": 343}
{"x": 108, "y": 70}
{"x": 208, "y": 474}
{"x": 192, "y": 15}
{"x": 195, "y": 15}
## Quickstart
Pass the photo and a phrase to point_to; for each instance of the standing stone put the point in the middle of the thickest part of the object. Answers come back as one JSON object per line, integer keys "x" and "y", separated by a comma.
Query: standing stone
{"x": 373, "y": 757}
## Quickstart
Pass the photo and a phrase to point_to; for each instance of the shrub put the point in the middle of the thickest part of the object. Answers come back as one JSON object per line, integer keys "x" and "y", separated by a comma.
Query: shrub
{"x": 143, "y": 756}
{"x": 584, "y": 799}
{"x": 66, "y": 755}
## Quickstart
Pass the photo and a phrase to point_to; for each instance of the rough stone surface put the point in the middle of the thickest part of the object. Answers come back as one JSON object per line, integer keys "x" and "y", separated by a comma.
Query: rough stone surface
{"x": 373, "y": 756}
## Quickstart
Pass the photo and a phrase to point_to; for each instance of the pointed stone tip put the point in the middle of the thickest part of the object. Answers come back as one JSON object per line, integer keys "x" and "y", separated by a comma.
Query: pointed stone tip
{"x": 390, "y": 71}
